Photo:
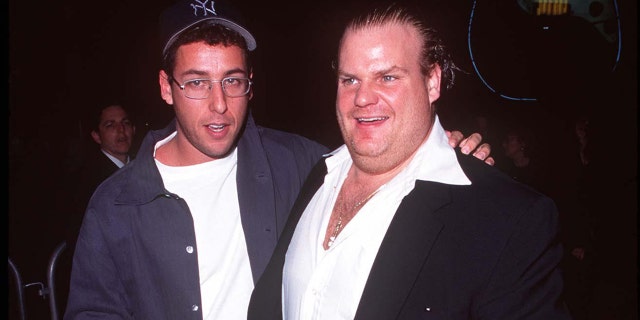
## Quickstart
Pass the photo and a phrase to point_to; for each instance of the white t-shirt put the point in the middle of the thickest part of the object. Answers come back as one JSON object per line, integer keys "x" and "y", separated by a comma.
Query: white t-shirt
{"x": 210, "y": 191}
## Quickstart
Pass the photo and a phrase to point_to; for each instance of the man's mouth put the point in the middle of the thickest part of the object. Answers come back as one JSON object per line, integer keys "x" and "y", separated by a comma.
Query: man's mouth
{"x": 371, "y": 119}
{"x": 216, "y": 127}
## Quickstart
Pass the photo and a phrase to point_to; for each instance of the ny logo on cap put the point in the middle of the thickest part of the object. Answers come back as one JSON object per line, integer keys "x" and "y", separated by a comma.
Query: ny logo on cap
{"x": 203, "y": 5}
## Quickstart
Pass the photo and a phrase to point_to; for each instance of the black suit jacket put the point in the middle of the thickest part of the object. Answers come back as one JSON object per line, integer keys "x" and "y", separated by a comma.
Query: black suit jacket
{"x": 488, "y": 250}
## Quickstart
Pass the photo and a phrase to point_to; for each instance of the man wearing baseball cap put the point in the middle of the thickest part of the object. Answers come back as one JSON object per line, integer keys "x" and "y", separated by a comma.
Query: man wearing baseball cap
{"x": 186, "y": 229}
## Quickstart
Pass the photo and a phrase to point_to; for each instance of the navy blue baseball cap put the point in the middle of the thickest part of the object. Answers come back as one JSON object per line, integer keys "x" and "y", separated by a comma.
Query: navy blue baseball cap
{"x": 186, "y": 13}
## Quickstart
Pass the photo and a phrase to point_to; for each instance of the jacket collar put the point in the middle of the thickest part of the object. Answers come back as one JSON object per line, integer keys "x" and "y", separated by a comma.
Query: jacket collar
{"x": 143, "y": 180}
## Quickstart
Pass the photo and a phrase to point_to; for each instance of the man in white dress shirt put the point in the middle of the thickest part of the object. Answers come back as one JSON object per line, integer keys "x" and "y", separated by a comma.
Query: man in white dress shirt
{"x": 395, "y": 224}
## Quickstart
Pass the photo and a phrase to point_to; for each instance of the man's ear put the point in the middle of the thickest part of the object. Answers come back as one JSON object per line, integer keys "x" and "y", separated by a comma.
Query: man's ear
{"x": 433, "y": 83}
{"x": 96, "y": 137}
{"x": 165, "y": 87}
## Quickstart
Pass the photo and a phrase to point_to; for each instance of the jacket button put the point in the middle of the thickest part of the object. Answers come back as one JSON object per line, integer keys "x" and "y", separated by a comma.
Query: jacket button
{"x": 194, "y": 308}
{"x": 189, "y": 249}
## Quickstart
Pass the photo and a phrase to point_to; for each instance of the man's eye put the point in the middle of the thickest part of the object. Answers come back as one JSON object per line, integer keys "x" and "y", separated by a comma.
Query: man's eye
{"x": 197, "y": 83}
{"x": 347, "y": 81}
{"x": 231, "y": 81}
{"x": 388, "y": 78}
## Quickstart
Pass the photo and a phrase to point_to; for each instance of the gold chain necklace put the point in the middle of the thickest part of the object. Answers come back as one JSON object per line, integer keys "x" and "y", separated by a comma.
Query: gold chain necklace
{"x": 339, "y": 225}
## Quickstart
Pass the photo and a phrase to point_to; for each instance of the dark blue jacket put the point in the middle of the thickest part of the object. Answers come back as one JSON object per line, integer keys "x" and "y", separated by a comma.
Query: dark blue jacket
{"x": 136, "y": 254}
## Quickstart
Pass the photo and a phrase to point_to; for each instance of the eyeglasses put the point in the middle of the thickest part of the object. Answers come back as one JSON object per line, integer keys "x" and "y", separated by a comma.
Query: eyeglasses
{"x": 201, "y": 88}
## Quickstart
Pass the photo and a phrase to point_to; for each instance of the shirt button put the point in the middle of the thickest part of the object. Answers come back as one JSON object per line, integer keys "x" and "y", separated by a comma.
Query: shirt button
{"x": 194, "y": 308}
{"x": 190, "y": 250}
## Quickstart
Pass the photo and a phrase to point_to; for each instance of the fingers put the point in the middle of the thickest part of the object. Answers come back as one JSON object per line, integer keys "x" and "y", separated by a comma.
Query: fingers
{"x": 483, "y": 152}
{"x": 455, "y": 138}
{"x": 470, "y": 143}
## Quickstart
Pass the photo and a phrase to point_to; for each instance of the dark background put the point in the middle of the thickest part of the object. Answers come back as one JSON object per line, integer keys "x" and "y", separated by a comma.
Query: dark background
{"x": 66, "y": 56}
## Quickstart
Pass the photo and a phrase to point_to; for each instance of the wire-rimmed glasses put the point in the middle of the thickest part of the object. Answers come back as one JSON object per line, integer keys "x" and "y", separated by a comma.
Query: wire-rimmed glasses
{"x": 232, "y": 87}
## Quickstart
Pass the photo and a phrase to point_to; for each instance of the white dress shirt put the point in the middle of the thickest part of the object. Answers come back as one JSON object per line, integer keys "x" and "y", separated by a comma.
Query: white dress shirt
{"x": 327, "y": 284}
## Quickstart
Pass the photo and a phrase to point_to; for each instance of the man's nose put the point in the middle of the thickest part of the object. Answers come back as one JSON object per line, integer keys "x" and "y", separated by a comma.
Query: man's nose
{"x": 217, "y": 99}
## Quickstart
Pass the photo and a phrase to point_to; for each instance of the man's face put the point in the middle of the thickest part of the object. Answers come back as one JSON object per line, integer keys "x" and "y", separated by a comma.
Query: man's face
{"x": 115, "y": 131}
{"x": 383, "y": 100}
{"x": 207, "y": 128}
{"x": 512, "y": 145}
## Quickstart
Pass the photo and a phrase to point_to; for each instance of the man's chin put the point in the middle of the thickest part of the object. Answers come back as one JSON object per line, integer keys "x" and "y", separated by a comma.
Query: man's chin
{"x": 220, "y": 151}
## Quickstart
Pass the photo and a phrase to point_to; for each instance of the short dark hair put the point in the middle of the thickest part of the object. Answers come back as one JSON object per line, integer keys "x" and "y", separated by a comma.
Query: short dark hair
{"x": 93, "y": 114}
{"x": 211, "y": 34}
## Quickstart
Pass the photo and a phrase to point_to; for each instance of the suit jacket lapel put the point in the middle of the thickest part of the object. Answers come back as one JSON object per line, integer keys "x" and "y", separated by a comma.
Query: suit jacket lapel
{"x": 404, "y": 249}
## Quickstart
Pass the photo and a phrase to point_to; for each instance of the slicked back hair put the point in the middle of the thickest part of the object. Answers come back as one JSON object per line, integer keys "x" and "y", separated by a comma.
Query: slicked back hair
{"x": 434, "y": 51}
